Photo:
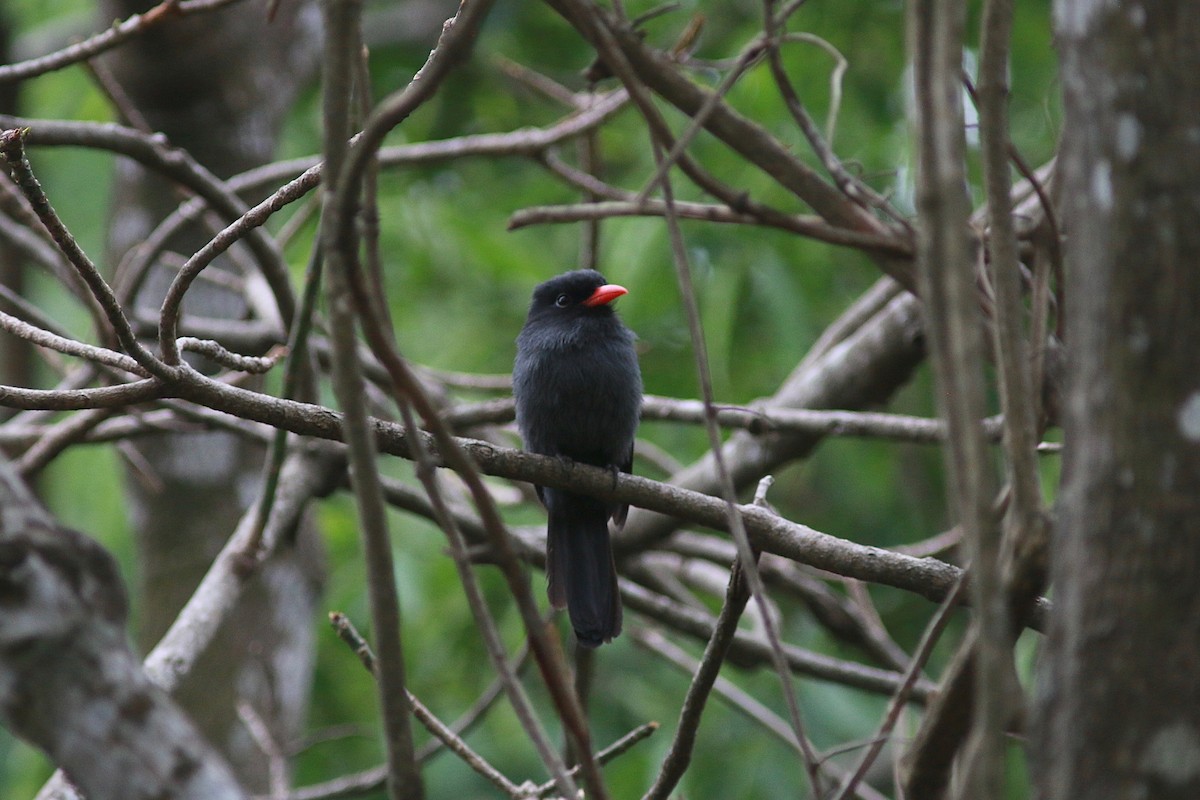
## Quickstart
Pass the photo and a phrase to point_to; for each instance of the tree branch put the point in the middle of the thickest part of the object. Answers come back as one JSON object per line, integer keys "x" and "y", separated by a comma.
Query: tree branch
{"x": 108, "y": 39}
{"x": 945, "y": 264}
{"x": 342, "y": 45}
{"x": 69, "y": 682}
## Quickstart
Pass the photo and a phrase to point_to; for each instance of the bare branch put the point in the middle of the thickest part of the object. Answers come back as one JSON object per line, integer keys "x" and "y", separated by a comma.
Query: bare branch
{"x": 126, "y": 394}
{"x": 812, "y": 227}
{"x": 868, "y": 362}
{"x": 255, "y": 365}
{"x": 747, "y": 558}
{"x": 12, "y": 149}
{"x": 58, "y": 438}
{"x": 656, "y": 71}
{"x": 305, "y": 472}
{"x": 680, "y": 753}
{"x": 44, "y": 338}
{"x": 117, "y": 34}
{"x": 342, "y": 45}
{"x": 740, "y": 700}
{"x": 754, "y": 650}
{"x": 929, "y": 639}
{"x": 853, "y": 188}
{"x": 261, "y": 733}
{"x": 946, "y": 259}
{"x": 349, "y": 634}
{"x": 153, "y": 152}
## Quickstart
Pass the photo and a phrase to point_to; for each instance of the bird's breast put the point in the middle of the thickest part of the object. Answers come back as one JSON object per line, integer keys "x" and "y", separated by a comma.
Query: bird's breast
{"x": 579, "y": 401}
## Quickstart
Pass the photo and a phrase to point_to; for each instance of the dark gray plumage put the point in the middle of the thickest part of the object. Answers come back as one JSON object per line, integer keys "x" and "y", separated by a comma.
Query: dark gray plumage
{"x": 579, "y": 394}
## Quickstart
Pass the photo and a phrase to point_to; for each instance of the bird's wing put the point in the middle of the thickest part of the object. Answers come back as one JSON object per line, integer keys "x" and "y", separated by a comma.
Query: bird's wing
{"x": 622, "y": 511}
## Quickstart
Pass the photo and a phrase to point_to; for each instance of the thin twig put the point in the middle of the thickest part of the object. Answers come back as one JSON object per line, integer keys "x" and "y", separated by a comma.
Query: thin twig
{"x": 175, "y": 164}
{"x": 933, "y": 632}
{"x": 840, "y": 65}
{"x": 680, "y": 753}
{"x": 747, "y": 59}
{"x": 244, "y": 226}
{"x": 617, "y": 748}
{"x": 298, "y": 380}
{"x": 746, "y": 555}
{"x": 349, "y": 634}
{"x": 539, "y": 82}
{"x": 804, "y": 225}
{"x": 255, "y": 365}
{"x": 58, "y": 438}
{"x": 127, "y": 394}
{"x": 368, "y": 214}
{"x": 374, "y": 779}
{"x": 740, "y": 700}
{"x": 486, "y": 700}
{"x": 592, "y": 163}
{"x": 751, "y": 649}
{"x": 758, "y": 421}
{"x": 523, "y": 142}
{"x": 853, "y": 188}
{"x": 17, "y": 435}
{"x": 868, "y": 424}
{"x": 12, "y": 148}
{"x": 108, "y": 39}
{"x": 110, "y": 87}
{"x": 260, "y": 732}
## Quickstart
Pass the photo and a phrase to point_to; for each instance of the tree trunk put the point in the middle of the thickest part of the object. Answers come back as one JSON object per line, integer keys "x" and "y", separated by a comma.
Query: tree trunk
{"x": 1120, "y": 715}
{"x": 218, "y": 85}
{"x": 16, "y": 356}
{"x": 69, "y": 682}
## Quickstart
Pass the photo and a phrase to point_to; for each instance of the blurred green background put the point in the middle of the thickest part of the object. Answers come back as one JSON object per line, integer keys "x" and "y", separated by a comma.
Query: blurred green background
{"x": 459, "y": 284}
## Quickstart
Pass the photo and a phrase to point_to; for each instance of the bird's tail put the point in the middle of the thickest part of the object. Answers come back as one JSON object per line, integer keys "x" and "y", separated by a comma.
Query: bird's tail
{"x": 580, "y": 568}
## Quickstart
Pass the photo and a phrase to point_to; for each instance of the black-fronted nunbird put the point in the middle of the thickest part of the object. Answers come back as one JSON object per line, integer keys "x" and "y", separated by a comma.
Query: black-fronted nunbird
{"x": 578, "y": 391}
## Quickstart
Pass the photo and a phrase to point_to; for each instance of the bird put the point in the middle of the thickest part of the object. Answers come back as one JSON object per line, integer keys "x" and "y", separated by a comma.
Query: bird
{"x": 578, "y": 393}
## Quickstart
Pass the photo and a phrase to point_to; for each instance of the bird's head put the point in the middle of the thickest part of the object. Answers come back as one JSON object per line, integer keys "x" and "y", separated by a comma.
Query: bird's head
{"x": 575, "y": 295}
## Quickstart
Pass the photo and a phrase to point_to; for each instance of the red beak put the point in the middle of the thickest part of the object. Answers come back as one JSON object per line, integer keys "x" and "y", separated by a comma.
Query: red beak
{"x": 605, "y": 295}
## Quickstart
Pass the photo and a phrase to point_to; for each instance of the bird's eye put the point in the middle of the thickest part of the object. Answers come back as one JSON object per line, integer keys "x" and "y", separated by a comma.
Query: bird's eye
{"x": 562, "y": 300}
